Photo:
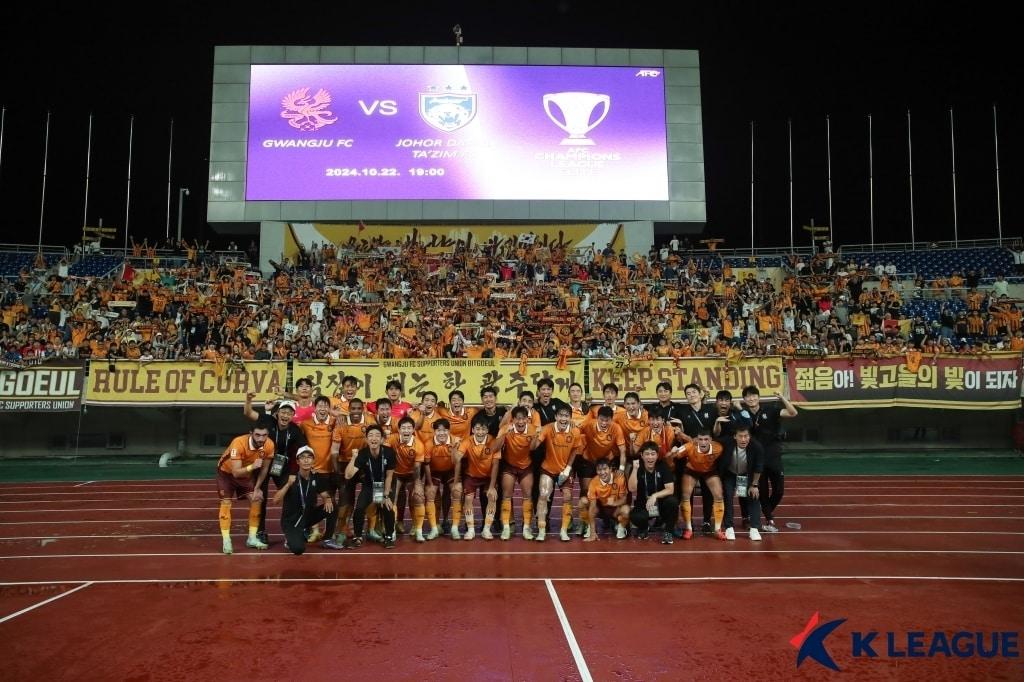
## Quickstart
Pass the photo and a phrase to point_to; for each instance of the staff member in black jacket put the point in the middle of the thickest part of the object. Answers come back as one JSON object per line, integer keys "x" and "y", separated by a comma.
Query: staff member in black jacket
{"x": 740, "y": 468}
{"x": 304, "y": 505}
{"x": 288, "y": 438}
{"x": 652, "y": 486}
{"x": 377, "y": 463}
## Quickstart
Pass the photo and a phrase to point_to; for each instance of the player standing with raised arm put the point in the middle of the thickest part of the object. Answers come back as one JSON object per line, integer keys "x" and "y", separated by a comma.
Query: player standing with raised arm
{"x": 767, "y": 429}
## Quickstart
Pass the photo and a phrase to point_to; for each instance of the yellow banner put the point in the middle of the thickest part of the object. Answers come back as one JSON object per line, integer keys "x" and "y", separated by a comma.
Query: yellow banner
{"x": 440, "y": 376}
{"x": 441, "y": 238}
{"x": 181, "y": 383}
{"x": 711, "y": 374}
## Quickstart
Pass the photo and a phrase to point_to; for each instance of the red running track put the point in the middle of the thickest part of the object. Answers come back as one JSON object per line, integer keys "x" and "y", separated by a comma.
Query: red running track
{"x": 143, "y": 592}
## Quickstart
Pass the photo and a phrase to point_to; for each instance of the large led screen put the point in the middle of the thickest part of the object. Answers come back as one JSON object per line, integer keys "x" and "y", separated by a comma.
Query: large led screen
{"x": 365, "y": 132}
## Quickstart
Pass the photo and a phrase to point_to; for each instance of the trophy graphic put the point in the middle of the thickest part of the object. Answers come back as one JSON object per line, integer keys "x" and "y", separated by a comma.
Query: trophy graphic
{"x": 576, "y": 108}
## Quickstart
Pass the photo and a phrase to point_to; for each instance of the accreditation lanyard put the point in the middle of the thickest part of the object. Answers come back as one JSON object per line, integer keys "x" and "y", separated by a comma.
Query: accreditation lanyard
{"x": 649, "y": 488}
{"x": 303, "y": 492}
{"x": 696, "y": 415}
{"x": 373, "y": 476}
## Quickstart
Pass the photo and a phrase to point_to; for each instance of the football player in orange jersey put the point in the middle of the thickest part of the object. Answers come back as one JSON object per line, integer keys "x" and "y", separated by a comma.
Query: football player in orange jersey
{"x": 611, "y": 397}
{"x": 458, "y": 415}
{"x": 235, "y": 479}
{"x": 633, "y": 419}
{"x": 425, "y": 414}
{"x": 443, "y": 487}
{"x": 410, "y": 468}
{"x": 701, "y": 455}
{"x": 349, "y": 386}
{"x": 579, "y": 407}
{"x": 602, "y": 439}
{"x": 605, "y": 498}
{"x": 479, "y": 467}
{"x": 349, "y": 437}
{"x": 562, "y": 442}
{"x": 514, "y": 442}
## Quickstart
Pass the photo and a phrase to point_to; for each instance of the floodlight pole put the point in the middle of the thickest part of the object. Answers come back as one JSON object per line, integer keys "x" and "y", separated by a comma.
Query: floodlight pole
{"x": 182, "y": 193}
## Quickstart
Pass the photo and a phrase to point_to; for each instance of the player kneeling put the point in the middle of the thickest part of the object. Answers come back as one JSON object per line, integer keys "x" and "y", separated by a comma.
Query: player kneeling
{"x": 605, "y": 498}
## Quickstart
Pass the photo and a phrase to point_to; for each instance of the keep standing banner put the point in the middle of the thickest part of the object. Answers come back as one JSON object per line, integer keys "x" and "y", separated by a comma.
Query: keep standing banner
{"x": 946, "y": 381}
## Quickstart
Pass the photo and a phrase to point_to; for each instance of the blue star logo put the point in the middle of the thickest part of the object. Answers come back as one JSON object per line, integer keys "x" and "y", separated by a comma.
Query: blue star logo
{"x": 810, "y": 642}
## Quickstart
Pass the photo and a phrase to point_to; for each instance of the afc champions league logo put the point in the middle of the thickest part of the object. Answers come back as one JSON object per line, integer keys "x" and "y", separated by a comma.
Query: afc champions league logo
{"x": 447, "y": 110}
{"x": 307, "y": 113}
{"x": 577, "y": 108}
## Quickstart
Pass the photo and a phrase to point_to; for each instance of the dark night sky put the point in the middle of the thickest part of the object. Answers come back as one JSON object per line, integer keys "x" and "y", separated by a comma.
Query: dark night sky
{"x": 760, "y": 61}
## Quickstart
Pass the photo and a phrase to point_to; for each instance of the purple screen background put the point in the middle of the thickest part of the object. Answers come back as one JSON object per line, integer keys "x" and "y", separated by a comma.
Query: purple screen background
{"x": 510, "y": 149}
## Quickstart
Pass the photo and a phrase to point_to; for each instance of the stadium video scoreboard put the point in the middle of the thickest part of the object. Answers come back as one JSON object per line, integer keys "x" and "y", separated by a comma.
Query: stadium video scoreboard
{"x": 426, "y": 133}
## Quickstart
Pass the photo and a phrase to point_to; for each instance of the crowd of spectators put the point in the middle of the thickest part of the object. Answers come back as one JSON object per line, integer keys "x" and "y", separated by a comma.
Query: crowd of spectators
{"x": 501, "y": 298}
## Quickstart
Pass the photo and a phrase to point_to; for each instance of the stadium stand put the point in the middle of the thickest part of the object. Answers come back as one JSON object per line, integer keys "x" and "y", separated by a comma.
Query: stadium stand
{"x": 518, "y": 300}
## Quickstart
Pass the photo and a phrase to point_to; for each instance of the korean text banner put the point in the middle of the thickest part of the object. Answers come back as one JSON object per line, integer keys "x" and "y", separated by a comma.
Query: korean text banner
{"x": 950, "y": 382}
{"x": 712, "y": 374}
{"x": 52, "y": 387}
{"x": 440, "y": 376}
{"x": 182, "y": 383}
{"x": 376, "y": 131}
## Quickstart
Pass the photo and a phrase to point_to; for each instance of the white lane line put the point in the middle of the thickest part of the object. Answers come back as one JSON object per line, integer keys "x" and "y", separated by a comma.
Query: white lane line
{"x": 642, "y": 579}
{"x": 680, "y": 552}
{"x": 44, "y": 603}
{"x": 581, "y": 664}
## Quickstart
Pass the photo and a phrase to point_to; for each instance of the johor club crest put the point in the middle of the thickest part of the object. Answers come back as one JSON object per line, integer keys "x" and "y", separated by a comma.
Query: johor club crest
{"x": 307, "y": 113}
{"x": 447, "y": 110}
